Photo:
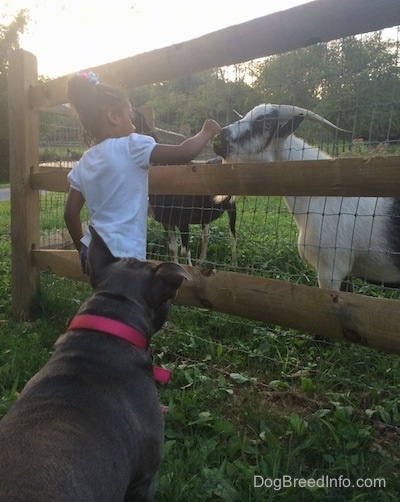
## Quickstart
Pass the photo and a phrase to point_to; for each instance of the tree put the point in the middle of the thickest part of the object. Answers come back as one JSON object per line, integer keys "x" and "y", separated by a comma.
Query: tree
{"x": 368, "y": 86}
{"x": 193, "y": 98}
{"x": 354, "y": 82}
{"x": 9, "y": 39}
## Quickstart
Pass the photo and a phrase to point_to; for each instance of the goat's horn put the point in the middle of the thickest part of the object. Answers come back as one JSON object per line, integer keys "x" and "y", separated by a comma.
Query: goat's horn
{"x": 289, "y": 111}
{"x": 239, "y": 115}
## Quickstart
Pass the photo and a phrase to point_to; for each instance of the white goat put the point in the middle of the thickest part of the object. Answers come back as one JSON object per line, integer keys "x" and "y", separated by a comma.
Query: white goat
{"x": 340, "y": 237}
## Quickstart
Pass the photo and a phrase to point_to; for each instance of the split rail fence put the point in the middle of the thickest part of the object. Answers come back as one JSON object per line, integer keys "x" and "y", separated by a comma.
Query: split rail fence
{"x": 373, "y": 322}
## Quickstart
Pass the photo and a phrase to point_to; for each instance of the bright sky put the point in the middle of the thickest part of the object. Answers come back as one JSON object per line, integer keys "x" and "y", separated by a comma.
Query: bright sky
{"x": 67, "y": 36}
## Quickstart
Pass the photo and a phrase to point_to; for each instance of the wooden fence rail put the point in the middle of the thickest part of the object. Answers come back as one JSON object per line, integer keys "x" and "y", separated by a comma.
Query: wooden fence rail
{"x": 308, "y": 24}
{"x": 339, "y": 177}
{"x": 339, "y": 316}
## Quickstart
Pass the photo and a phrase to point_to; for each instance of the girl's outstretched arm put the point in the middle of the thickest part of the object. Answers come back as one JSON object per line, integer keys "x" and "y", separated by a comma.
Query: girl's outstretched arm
{"x": 188, "y": 149}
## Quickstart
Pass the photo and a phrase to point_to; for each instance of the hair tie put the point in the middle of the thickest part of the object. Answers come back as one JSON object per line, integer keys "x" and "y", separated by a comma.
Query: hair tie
{"x": 93, "y": 77}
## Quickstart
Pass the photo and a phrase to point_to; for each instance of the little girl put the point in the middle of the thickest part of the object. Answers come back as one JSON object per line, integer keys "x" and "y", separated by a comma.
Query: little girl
{"x": 112, "y": 175}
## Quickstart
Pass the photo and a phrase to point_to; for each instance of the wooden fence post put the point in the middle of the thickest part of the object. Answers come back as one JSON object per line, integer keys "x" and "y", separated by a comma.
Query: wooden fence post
{"x": 24, "y": 159}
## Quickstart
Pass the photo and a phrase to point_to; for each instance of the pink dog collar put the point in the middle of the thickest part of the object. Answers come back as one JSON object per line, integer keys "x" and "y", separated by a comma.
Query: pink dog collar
{"x": 120, "y": 330}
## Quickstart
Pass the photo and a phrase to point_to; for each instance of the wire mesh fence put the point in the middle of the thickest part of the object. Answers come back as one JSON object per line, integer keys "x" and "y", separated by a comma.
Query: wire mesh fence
{"x": 353, "y": 82}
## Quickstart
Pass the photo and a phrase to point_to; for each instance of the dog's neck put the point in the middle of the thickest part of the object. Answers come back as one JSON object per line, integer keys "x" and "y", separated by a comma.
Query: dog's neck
{"x": 107, "y": 305}
{"x": 120, "y": 330}
{"x": 111, "y": 327}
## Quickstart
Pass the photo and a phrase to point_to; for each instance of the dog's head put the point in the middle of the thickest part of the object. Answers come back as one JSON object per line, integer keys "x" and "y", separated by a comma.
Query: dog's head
{"x": 144, "y": 289}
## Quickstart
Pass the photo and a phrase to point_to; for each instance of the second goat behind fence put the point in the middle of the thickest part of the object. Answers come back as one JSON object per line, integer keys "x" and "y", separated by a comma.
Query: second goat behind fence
{"x": 339, "y": 237}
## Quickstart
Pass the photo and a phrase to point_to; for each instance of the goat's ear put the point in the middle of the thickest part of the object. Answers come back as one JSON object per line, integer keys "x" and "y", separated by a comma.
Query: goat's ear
{"x": 167, "y": 279}
{"x": 98, "y": 258}
{"x": 290, "y": 126}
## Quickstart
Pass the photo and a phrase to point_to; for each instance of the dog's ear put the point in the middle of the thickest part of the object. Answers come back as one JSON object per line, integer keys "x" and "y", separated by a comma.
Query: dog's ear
{"x": 168, "y": 277}
{"x": 98, "y": 257}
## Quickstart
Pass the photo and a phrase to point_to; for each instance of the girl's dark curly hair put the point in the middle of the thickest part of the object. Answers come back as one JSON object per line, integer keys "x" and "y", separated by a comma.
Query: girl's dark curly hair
{"x": 91, "y": 100}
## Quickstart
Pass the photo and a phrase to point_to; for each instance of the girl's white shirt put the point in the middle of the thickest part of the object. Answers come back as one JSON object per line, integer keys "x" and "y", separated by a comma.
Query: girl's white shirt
{"x": 113, "y": 179}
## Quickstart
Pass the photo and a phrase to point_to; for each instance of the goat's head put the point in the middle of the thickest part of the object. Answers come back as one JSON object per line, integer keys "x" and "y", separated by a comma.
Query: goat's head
{"x": 259, "y": 134}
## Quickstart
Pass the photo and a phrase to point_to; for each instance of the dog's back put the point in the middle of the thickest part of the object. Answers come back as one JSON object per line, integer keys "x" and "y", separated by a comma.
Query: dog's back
{"x": 83, "y": 425}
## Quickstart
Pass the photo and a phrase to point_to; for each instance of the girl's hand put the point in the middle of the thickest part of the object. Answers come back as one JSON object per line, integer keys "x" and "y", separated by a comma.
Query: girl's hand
{"x": 211, "y": 127}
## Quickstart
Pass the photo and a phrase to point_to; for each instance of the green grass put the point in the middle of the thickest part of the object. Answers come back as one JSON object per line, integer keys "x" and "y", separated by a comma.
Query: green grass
{"x": 246, "y": 399}
{"x": 249, "y": 399}
{"x": 61, "y": 153}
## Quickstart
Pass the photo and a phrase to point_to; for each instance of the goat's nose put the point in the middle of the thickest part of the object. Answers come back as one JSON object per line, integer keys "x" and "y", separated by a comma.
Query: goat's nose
{"x": 220, "y": 144}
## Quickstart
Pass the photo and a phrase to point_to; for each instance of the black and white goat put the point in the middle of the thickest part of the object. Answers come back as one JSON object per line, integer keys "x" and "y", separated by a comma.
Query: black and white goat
{"x": 339, "y": 237}
{"x": 181, "y": 211}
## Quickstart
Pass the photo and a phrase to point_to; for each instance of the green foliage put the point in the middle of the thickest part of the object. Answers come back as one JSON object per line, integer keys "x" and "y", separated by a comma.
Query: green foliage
{"x": 341, "y": 80}
{"x": 229, "y": 420}
{"x": 194, "y": 98}
{"x": 9, "y": 39}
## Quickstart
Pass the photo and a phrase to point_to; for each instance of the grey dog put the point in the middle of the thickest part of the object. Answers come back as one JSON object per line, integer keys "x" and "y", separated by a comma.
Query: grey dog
{"x": 88, "y": 427}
